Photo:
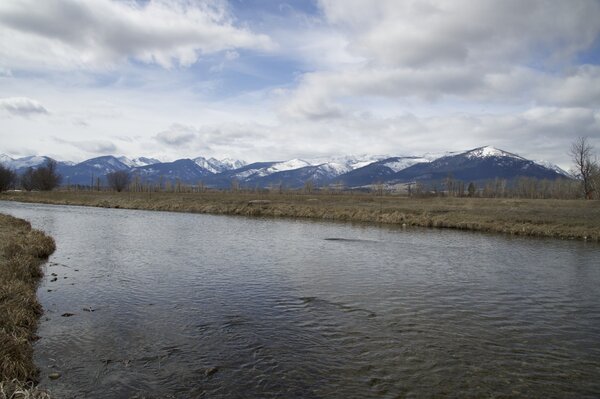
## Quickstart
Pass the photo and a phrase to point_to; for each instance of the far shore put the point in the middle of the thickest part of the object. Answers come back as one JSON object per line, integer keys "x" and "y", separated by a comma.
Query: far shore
{"x": 563, "y": 219}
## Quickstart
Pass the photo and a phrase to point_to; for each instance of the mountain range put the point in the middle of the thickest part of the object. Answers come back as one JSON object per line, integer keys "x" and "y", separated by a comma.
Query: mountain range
{"x": 476, "y": 165}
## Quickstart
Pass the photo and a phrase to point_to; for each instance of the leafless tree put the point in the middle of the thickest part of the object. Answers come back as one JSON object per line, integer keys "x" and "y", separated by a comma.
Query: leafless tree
{"x": 118, "y": 180}
{"x": 235, "y": 184}
{"x": 44, "y": 178}
{"x": 27, "y": 179}
{"x": 585, "y": 165}
{"x": 8, "y": 178}
{"x": 309, "y": 186}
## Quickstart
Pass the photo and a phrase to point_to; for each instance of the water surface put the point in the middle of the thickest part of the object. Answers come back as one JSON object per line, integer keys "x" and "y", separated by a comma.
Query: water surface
{"x": 183, "y": 305}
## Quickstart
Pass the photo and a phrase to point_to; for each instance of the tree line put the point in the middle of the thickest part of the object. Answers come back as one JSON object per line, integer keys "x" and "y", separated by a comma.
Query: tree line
{"x": 43, "y": 178}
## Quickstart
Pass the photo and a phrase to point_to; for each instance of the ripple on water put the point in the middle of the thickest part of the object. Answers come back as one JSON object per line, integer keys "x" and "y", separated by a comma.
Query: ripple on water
{"x": 206, "y": 306}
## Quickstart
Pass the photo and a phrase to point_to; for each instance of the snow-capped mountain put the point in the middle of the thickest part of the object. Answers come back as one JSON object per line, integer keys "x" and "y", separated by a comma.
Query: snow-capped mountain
{"x": 217, "y": 166}
{"x": 400, "y": 163}
{"x": 84, "y": 172}
{"x": 340, "y": 165}
{"x": 556, "y": 168}
{"x": 20, "y": 164}
{"x": 379, "y": 171}
{"x": 292, "y": 164}
{"x": 488, "y": 151}
{"x": 105, "y": 164}
{"x": 184, "y": 170}
{"x": 294, "y": 172}
{"x": 230, "y": 163}
{"x": 140, "y": 161}
{"x": 478, "y": 164}
{"x": 5, "y": 159}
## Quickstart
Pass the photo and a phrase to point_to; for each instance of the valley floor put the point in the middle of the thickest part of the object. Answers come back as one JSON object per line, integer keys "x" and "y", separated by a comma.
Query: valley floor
{"x": 566, "y": 219}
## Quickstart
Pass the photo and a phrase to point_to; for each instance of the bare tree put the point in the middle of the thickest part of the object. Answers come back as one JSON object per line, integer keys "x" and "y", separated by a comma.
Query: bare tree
{"x": 585, "y": 166}
{"x": 309, "y": 186}
{"x": 27, "y": 179}
{"x": 8, "y": 178}
{"x": 44, "y": 178}
{"x": 118, "y": 180}
{"x": 235, "y": 184}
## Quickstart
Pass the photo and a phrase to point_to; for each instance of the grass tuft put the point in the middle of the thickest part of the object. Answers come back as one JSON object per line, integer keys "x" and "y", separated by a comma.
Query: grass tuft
{"x": 16, "y": 389}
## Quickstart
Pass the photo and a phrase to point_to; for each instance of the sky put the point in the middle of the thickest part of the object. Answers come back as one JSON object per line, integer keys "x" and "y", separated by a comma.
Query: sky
{"x": 265, "y": 80}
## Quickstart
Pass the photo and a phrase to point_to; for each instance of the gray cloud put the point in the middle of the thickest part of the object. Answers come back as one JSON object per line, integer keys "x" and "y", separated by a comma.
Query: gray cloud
{"x": 91, "y": 146}
{"x": 177, "y": 135}
{"x": 22, "y": 106}
{"x": 73, "y": 34}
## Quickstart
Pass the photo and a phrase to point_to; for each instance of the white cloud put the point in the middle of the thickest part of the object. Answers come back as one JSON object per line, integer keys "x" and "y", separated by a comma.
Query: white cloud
{"x": 379, "y": 77}
{"x": 580, "y": 88}
{"x": 71, "y": 34}
{"x": 22, "y": 106}
{"x": 231, "y": 55}
{"x": 482, "y": 51}
{"x": 420, "y": 33}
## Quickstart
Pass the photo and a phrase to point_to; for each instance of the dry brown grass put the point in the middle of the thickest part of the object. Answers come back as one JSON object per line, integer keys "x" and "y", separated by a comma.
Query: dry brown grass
{"x": 18, "y": 390}
{"x": 567, "y": 219}
{"x": 22, "y": 250}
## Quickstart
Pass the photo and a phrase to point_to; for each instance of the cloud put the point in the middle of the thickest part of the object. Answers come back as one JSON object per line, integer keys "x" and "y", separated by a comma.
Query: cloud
{"x": 72, "y": 34}
{"x": 177, "y": 135}
{"x": 206, "y": 137}
{"x": 231, "y": 55}
{"x": 434, "y": 32}
{"x": 92, "y": 146}
{"x": 483, "y": 51}
{"x": 581, "y": 88}
{"x": 22, "y": 106}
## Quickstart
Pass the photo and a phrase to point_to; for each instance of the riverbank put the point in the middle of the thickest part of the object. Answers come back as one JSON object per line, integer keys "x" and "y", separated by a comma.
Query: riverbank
{"x": 22, "y": 252}
{"x": 564, "y": 219}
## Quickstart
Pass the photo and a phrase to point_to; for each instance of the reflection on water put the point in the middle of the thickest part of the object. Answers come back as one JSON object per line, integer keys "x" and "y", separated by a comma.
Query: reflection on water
{"x": 180, "y": 305}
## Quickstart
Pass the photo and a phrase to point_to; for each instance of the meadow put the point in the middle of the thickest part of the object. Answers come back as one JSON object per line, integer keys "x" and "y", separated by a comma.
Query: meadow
{"x": 565, "y": 219}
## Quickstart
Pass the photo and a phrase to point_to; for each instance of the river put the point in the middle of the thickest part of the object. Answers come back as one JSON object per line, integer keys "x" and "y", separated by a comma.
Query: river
{"x": 183, "y": 306}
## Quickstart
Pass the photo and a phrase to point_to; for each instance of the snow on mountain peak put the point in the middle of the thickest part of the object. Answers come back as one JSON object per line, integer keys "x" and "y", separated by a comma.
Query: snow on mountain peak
{"x": 347, "y": 163}
{"x": 288, "y": 165}
{"x": 217, "y": 166}
{"x": 27, "y": 162}
{"x": 554, "y": 167}
{"x": 231, "y": 163}
{"x": 489, "y": 151}
{"x": 140, "y": 161}
{"x": 402, "y": 163}
{"x": 5, "y": 159}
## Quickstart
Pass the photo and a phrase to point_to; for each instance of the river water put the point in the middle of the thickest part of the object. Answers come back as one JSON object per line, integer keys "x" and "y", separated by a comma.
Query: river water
{"x": 184, "y": 306}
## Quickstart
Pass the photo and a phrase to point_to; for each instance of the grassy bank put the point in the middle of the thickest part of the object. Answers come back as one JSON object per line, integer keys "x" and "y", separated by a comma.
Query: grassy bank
{"x": 567, "y": 219}
{"x": 22, "y": 251}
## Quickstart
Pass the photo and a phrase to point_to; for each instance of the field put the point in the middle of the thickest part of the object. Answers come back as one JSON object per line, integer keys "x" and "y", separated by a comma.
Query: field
{"x": 22, "y": 250}
{"x": 565, "y": 219}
